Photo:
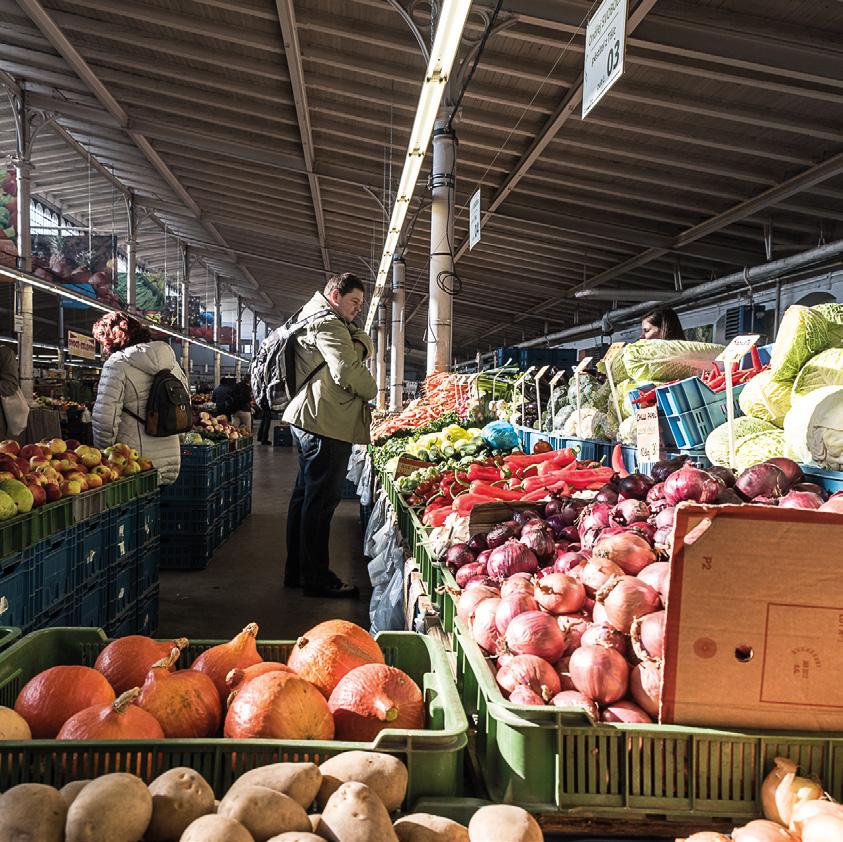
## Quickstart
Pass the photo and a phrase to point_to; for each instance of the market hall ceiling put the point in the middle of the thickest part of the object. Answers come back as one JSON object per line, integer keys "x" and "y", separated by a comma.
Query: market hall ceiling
{"x": 266, "y": 135}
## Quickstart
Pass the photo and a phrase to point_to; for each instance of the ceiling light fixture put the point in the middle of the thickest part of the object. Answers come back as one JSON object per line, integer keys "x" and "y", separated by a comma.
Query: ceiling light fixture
{"x": 449, "y": 30}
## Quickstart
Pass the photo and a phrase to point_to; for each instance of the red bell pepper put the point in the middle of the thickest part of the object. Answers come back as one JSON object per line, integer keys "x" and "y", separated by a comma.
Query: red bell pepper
{"x": 617, "y": 461}
{"x": 436, "y": 517}
{"x": 521, "y": 460}
{"x": 484, "y": 473}
{"x": 563, "y": 459}
{"x": 466, "y": 502}
{"x": 496, "y": 492}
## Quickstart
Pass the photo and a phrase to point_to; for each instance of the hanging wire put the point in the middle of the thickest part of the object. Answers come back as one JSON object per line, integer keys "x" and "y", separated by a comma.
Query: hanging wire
{"x": 90, "y": 218}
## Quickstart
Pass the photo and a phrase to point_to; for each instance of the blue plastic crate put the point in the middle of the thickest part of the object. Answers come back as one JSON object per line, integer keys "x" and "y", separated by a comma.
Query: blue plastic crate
{"x": 586, "y": 448}
{"x": 228, "y": 467}
{"x": 244, "y": 507}
{"x": 16, "y": 598}
{"x": 221, "y": 530}
{"x": 229, "y": 494}
{"x": 59, "y": 615}
{"x": 184, "y": 518}
{"x": 90, "y": 605}
{"x": 149, "y": 516}
{"x": 192, "y": 552}
{"x": 146, "y": 612}
{"x": 147, "y": 567}
{"x": 122, "y": 586}
{"x": 122, "y": 535}
{"x": 689, "y": 430}
{"x": 91, "y": 557}
{"x": 54, "y": 566}
{"x": 688, "y": 394}
{"x": 194, "y": 483}
{"x": 831, "y": 481}
{"x": 123, "y": 625}
{"x": 198, "y": 455}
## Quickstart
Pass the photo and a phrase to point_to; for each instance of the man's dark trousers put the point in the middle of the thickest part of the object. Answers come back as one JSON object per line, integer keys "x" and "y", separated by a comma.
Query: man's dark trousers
{"x": 323, "y": 465}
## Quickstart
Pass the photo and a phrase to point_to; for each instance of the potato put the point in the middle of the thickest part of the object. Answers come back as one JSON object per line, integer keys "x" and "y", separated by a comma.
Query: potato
{"x": 504, "y": 823}
{"x": 116, "y": 807}
{"x": 216, "y": 829}
{"x": 32, "y": 813}
{"x": 315, "y": 818}
{"x": 301, "y": 781}
{"x": 71, "y": 790}
{"x": 425, "y": 827}
{"x": 179, "y": 797}
{"x": 295, "y": 836}
{"x": 384, "y": 774}
{"x": 355, "y": 814}
{"x": 263, "y": 811}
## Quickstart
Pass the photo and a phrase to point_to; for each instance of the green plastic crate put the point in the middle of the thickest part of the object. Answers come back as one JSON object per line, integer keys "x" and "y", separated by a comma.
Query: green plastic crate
{"x": 20, "y": 533}
{"x": 146, "y": 483}
{"x": 434, "y": 756}
{"x": 120, "y": 492}
{"x": 56, "y": 517}
{"x": 8, "y": 634}
{"x": 549, "y": 759}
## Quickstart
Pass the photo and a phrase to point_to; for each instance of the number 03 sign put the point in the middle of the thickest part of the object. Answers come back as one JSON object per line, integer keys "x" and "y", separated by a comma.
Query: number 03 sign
{"x": 605, "y": 43}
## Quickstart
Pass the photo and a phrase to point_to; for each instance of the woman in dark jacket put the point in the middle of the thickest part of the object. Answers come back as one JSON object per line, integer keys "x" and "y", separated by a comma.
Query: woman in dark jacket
{"x": 9, "y": 382}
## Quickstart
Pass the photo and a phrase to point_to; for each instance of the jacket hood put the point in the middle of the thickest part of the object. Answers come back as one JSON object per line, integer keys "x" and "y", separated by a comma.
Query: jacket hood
{"x": 149, "y": 357}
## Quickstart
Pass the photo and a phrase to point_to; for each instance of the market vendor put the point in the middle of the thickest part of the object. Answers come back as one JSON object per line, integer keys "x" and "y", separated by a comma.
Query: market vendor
{"x": 661, "y": 323}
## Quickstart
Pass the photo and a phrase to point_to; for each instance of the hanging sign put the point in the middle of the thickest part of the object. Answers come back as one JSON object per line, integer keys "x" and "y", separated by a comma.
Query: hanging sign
{"x": 730, "y": 356}
{"x": 81, "y": 345}
{"x": 605, "y": 44}
{"x": 474, "y": 221}
{"x": 18, "y": 323}
{"x": 647, "y": 430}
{"x": 738, "y": 347}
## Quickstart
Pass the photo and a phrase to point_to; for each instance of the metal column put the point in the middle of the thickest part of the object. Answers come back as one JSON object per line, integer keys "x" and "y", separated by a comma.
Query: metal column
{"x": 217, "y": 325}
{"x": 237, "y": 339}
{"x": 440, "y": 307}
{"x": 131, "y": 253}
{"x": 23, "y": 169}
{"x": 380, "y": 366}
{"x": 396, "y": 358}
{"x": 61, "y": 334}
{"x": 254, "y": 334}
{"x": 187, "y": 264}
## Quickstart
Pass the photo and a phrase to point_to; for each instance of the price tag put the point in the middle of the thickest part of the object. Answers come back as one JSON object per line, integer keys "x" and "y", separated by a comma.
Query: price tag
{"x": 554, "y": 380}
{"x": 733, "y": 353}
{"x": 539, "y": 374}
{"x": 647, "y": 430}
{"x": 578, "y": 368}
{"x": 739, "y": 346}
{"x": 523, "y": 383}
{"x": 583, "y": 364}
{"x": 612, "y": 352}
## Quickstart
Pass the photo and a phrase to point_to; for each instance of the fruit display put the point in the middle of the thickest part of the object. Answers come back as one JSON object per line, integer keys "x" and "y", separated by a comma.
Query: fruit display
{"x": 219, "y": 427}
{"x": 35, "y": 474}
{"x": 59, "y": 403}
{"x": 356, "y": 793}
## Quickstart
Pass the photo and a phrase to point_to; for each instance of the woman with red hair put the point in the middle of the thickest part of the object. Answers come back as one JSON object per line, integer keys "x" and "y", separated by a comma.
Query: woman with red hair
{"x": 132, "y": 360}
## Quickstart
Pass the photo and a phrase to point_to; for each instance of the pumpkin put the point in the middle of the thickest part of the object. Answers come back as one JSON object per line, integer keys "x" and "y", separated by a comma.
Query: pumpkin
{"x": 235, "y": 680}
{"x": 280, "y": 706}
{"x": 329, "y": 651}
{"x": 120, "y": 720}
{"x": 373, "y": 697}
{"x": 49, "y": 699}
{"x": 126, "y": 661}
{"x": 185, "y": 702}
{"x": 238, "y": 653}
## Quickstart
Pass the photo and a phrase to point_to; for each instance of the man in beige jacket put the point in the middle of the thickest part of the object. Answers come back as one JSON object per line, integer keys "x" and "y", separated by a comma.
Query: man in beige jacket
{"x": 328, "y": 414}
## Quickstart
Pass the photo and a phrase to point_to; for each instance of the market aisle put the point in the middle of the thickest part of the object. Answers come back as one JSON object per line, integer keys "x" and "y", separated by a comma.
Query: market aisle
{"x": 243, "y": 581}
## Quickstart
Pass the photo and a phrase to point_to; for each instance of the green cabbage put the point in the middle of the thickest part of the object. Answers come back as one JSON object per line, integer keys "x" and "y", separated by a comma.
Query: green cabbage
{"x": 765, "y": 398}
{"x": 759, "y": 447}
{"x": 804, "y": 332}
{"x": 619, "y": 372}
{"x": 717, "y": 443}
{"x": 832, "y": 312}
{"x": 627, "y": 431}
{"x": 604, "y": 427}
{"x": 665, "y": 360}
{"x": 825, "y": 369}
{"x": 813, "y": 428}
{"x": 561, "y": 417}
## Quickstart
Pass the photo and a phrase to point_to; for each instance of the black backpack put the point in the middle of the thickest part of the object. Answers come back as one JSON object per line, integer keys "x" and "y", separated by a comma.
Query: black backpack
{"x": 168, "y": 410}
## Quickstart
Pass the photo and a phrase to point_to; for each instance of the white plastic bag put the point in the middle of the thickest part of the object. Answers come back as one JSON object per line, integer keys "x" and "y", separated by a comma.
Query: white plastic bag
{"x": 364, "y": 484}
{"x": 388, "y": 613}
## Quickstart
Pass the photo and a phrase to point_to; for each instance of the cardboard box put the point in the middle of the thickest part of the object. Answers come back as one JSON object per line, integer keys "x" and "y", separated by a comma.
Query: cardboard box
{"x": 754, "y": 635}
{"x": 407, "y": 465}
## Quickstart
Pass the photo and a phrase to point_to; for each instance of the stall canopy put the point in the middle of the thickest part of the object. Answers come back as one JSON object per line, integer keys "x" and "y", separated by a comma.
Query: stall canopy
{"x": 267, "y": 135}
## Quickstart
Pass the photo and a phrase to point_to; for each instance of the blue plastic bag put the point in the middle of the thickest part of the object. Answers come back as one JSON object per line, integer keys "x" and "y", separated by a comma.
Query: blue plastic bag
{"x": 500, "y": 435}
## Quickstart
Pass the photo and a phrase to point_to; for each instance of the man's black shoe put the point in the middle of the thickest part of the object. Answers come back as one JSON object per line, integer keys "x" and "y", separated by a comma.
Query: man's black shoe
{"x": 332, "y": 590}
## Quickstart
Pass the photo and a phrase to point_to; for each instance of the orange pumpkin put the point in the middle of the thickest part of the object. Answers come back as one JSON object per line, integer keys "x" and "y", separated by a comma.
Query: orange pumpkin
{"x": 120, "y": 720}
{"x": 218, "y": 661}
{"x": 329, "y": 651}
{"x": 280, "y": 706}
{"x": 49, "y": 699}
{"x": 126, "y": 661}
{"x": 235, "y": 680}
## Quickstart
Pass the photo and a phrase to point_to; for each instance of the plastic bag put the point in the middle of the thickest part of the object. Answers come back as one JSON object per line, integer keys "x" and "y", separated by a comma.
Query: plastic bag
{"x": 500, "y": 435}
{"x": 364, "y": 486}
{"x": 388, "y": 613}
{"x": 356, "y": 462}
{"x": 376, "y": 521}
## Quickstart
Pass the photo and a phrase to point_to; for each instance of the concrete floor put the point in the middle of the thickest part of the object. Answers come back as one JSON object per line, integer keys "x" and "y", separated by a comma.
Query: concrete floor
{"x": 242, "y": 584}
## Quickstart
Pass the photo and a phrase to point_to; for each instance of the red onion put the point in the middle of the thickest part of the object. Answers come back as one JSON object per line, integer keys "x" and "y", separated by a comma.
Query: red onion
{"x": 800, "y": 500}
{"x": 535, "y": 633}
{"x": 459, "y": 555}
{"x": 729, "y": 497}
{"x": 559, "y": 594}
{"x": 833, "y": 504}
{"x": 565, "y": 509}
{"x": 595, "y": 516}
{"x": 525, "y": 696}
{"x": 481, "y": 579}
{"x": 812, "y": 487}
{"x": 562, "y": 667}
{"x": 482, "y": 624}
{"x": 626, "y": 712}
{"x": 570, "y": 534}
{"x": 657, "y": 576}
{"x": 567, "y": 560}
{"x": 645, "y": 686}
{"x": 597, "y": 571}
{"x": 511, "y": 557}
{"x": 591, "y": 537}
{"x": 477, "y": 543}
{"x": 628, "y": 512}
{"x": 511, "y": 606}
{"x": 625, "y": 598}
{"x": 588, "y": 608}
{"x": 476, "y": 568}
{"x": 655, "y": 498}
{"x": 573, "y": 627}
{"x": 663, "y": 537}
{"x": 647, "y": 635}
{"x": 499, "y": 535}
{"x": 529, "y": 671}
{"x": 629, "y": 551}
{"x": 764, "y": 480}
{"x": 471, "y": 598}
{"x": 724, "y": 474}
{"x": 598, "y": 615}
{"x": 765, "y": 501}
{"x": 599, "y": 634}
{"x": 524, "y": 517}
{"x": 607, "y": 494}
{"x": 483, "y": 556}
{"x": 599, "y": 673}
{"x": 644, "y": 530}
{"x": 665, "y": 518}
{"x": 791, "y": 470}
{"x": 577, "y": 701}
{"x": 634, "y": 487}
{"x": 690, "y": 483}
{"x": 517, "y": 583}
{"x": 540, "y": 542}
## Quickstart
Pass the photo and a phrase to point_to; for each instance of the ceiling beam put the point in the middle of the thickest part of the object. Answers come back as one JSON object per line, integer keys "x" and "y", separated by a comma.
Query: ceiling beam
{"x": 295, "y": 67}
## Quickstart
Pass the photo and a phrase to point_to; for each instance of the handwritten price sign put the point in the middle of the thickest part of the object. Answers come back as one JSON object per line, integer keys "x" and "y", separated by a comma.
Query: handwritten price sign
{"x": 647, "y": 429}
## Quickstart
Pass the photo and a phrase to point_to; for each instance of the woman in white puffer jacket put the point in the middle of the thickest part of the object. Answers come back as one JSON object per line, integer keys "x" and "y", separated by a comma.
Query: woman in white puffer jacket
{"x": 132, "y": 361}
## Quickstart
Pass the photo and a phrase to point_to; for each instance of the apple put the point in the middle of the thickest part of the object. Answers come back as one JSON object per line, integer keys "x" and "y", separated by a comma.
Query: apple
{"x": 145, "y": 464}
{"x": 70, "y": 487}
{"x": 10, "y": 446}
{"x": 134, "y": 455}
{"x": 93, "y": 481}
{"x": 88, "y": 456}
{"x": 30, "y": 450}
{"x": 57, "y": 445}
{"x": 121, "y": 449}
{"x": 53, "y": 491}
{"x": 73, "y": 444}
{"x": 48, "y": 471}
{"x": 116, "y": 470}
{"x": 39, "y": 495}
{"x": 6, "y": 475}
{"x": 10, "y": 464}
{"x": 23, "y": 464}
{"x": 38, "y": 461}
{"x": 117, "y": 460}
{"x": 63, "y": 465}
{"x": 131, "y": 469}
{"x": 103, "y": 472}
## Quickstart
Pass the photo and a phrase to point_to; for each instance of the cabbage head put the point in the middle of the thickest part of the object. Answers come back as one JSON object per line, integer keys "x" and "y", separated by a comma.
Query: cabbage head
{"x": 717, "y": 443}
{"x": 619, "y": 372}
{"x": 561, "y": 417}
{"x": 665, "y": 360}
{"x": 765, "y": 398}
{"x": 825, "y": 369}
{"x": 813, "y": 428}
{"x": 759, "y": 447}
{"x": 804, "y": 332}
{"x": 832, "y": 312}
{"x": 604, "y": 427}
{"x": 627, "y": 432}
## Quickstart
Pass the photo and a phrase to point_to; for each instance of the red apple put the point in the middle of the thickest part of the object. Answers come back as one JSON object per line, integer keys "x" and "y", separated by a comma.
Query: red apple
{"x": 10, "y": 446}
{"x": 72, "y": 444}
{"x": 39, "y": 495}
{"x": 53, "y": 491}
{"x": 30, "y": 450}
{"x": 71, "y": 487}
{"x": 10, "y": 464}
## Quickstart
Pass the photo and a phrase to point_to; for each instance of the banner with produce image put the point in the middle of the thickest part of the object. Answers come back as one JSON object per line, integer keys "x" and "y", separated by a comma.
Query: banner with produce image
{"x": 87, "y": 262}
{"x": 8, "y": 216}
{"x": 150, "y": 296}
